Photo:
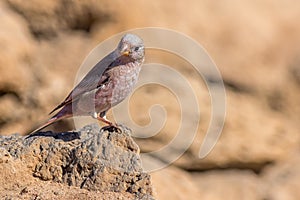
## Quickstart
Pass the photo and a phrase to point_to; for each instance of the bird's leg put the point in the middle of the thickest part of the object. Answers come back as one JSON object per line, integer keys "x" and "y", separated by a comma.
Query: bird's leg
{"x": 102, "y": 117}
{"x": 111, "y": 126}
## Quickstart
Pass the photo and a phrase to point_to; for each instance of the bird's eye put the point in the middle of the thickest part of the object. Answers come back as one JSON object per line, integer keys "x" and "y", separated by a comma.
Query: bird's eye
{"x": 136, "y": 48}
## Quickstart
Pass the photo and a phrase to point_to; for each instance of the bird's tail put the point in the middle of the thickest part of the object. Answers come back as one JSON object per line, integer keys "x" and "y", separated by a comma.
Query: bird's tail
{"x": 52, "y": 120}
{"x": 49, "y": 122}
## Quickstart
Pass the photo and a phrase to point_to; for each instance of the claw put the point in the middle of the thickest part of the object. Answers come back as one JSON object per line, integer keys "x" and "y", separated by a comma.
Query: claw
{"x": 111, "y": 128}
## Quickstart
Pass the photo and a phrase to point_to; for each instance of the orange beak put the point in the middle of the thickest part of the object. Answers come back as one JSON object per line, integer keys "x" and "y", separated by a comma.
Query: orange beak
{"x": 125, "y": 53}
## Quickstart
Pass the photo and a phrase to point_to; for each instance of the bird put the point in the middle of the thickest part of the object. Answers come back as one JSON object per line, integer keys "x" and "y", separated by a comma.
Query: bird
{"x": 107, "y": 84}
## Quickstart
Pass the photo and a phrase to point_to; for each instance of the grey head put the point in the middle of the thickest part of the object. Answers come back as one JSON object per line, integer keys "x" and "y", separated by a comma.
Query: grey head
{"x": 133, "y": 46}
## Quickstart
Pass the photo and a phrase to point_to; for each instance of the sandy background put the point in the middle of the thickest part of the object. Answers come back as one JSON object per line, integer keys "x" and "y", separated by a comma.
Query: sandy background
{"x": 255, "y": 44}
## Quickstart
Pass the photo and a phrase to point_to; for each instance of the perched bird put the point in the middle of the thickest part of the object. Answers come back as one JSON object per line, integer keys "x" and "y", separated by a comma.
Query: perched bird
{"x": 108, "y": 83}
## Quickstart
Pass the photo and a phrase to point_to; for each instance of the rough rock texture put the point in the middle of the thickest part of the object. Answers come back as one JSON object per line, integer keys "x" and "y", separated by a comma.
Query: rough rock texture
{"x": 101, "y": 162}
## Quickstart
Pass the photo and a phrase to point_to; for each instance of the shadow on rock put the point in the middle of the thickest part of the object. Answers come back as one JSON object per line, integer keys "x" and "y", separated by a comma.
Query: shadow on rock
{"x": 65, "y": 136}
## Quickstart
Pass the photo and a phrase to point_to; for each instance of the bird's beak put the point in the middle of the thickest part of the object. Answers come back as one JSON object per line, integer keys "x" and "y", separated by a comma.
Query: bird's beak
{"x": 126, "y": 53}
{"x": 125, "y": 50}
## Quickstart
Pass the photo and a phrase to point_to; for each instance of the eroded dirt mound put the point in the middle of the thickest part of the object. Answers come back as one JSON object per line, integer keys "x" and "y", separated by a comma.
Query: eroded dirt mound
{"x": 90, "y": 163}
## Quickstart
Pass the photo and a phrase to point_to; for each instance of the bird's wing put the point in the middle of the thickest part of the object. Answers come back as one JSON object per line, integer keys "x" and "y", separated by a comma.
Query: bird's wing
{"x": 95, "y": 77}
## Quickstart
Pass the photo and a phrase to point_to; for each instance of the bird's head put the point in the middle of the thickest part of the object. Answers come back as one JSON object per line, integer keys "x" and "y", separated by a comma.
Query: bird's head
{"x": 133, "y": 46}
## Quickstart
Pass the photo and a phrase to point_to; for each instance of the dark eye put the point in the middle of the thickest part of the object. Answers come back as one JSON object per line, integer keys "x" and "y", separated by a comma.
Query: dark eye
{"x": 136, "y": 48}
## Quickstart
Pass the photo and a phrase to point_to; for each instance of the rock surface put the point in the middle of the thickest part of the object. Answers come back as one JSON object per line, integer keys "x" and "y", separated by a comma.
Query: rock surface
{"x": 90, "y": 163}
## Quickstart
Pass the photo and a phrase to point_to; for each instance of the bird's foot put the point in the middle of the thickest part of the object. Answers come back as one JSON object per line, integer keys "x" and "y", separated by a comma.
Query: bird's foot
{"x": 112, "y": 128}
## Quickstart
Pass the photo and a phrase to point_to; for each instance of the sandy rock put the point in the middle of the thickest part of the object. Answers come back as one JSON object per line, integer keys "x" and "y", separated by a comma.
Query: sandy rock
{"x": 182, "y": 184}
{"x": 229, "y": 184}
{"x": 255, "y": 125}
{"x": 282, "y": 179}
{"x": 46, "y": 19}
{"x": 90, "y": 160}
{"x": 17, "y": 79}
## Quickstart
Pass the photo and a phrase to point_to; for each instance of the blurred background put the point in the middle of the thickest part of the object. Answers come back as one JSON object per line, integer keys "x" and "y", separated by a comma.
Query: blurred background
{"x": 255, "y": 44}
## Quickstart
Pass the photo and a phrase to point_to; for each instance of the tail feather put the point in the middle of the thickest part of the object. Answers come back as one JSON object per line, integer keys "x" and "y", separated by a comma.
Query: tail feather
{"x": 65, "y": 112}
{"x": 48, "y": 123}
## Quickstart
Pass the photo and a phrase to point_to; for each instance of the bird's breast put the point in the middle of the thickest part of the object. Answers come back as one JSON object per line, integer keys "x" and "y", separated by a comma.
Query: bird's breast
{"x": 122, "y": 80}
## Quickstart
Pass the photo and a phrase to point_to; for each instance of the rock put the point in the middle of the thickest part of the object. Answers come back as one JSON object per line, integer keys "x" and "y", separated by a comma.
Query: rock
{"x": 89, "y": 160}
{"x": 231, "y": 184}
{"x": 281, "y": 181}
{"x": 46, "y": 19}
{"x": 17, "y": 79}
{"x": 182, "y": 184}
{"x": 255, "y": 125}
